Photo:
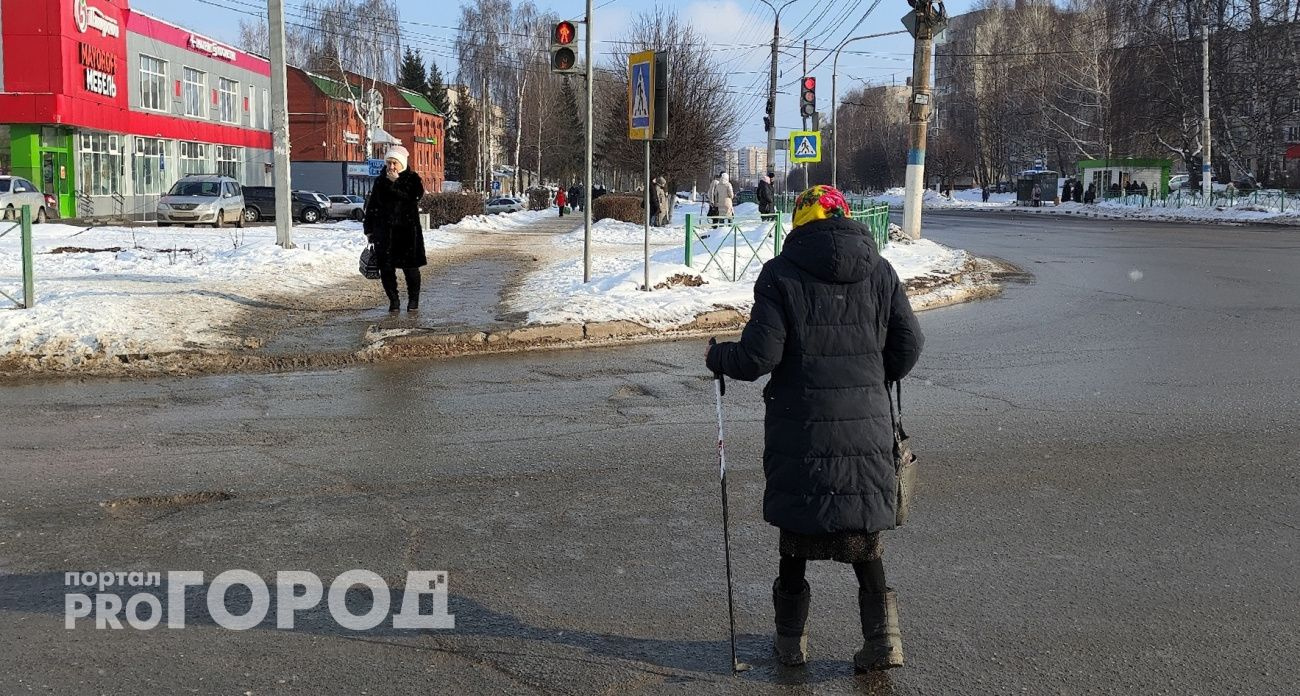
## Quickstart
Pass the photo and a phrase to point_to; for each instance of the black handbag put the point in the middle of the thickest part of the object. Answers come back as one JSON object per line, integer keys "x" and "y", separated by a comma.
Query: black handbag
{"x": 904, "y": 460}
{"x": 369, "y": 265}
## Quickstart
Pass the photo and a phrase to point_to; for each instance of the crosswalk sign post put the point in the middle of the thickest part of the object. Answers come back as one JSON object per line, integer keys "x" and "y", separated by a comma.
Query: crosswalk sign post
{"x": 640, "y": 126}
{"x": 805, "y": 146}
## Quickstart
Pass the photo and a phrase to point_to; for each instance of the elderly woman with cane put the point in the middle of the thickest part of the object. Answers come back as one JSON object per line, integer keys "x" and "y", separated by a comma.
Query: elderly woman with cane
{"x": 832, "y": 324}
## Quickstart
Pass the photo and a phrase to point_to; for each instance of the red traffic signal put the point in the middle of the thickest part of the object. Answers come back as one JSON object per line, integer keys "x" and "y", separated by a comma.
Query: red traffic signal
{"x": 808, "y": 96}
{"x": 565, "y": 33}
{"x": 564, "y": 37}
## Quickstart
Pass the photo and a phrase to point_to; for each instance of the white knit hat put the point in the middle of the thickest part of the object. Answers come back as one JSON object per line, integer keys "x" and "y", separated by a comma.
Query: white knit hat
{"x": 399, "y": 153}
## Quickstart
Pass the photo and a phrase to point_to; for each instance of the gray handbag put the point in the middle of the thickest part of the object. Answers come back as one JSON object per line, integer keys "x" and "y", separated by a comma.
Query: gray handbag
{"x": 904, "y": 460}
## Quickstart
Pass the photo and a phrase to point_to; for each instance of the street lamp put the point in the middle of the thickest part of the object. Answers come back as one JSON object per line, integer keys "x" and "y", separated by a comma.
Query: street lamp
{"x": 835, "y": 109}
{"x": 771, "y": 90}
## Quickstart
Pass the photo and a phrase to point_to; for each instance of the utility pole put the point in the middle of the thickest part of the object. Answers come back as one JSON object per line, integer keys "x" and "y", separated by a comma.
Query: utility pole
{"x": 1207, "y": 168}
{"x": 805, "y": 118}
{"x": 924, "y": 21}
{"x": 280, "y": 126}
{"x": 588, "y": 183}
{"x": 771, "y": 88}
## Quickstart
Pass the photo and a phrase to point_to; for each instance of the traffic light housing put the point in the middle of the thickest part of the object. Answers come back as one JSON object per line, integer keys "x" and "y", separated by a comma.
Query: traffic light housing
{"x": 564, "y": 44}
{"x": 767, "y": 119}
{"x": 808, "y": 96}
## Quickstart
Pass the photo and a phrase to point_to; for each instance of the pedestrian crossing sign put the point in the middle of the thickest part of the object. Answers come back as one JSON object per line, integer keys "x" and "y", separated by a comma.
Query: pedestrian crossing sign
{"x": 806, "y": 146}
{"x": 640, "y": 95}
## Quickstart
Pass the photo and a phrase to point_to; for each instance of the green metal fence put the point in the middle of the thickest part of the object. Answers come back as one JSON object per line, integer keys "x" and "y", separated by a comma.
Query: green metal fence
{"x": 24, "y": 225}
{"x": 721, "y": 240}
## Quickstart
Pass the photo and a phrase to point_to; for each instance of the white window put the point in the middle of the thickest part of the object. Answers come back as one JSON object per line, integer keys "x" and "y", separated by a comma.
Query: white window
{"x": 228, "y": 161}
{"x": 266, "y": 110}
{"x": 100, "y": 170}
{"x": 153, "y": 83}
{"x": 228, "y": 94}
{"x": 150, "y": 165}
{"x": 194, "y": 158}
{"x": 251, "y": 106}
{"x": 196, "y": 87}
{"x": 1292, "y": 134}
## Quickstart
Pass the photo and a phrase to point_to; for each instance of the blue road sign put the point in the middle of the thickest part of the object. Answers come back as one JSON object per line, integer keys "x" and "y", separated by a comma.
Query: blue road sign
{"x": 496, "y": 185}
{"x": 640, "y": 95}
{"x": 376, "y": 167}
{"x": 806, "y": 146}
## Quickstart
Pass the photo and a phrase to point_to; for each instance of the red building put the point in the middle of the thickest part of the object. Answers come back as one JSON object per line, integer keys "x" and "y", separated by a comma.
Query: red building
{"x": 328, "y": 138}
{"x": 104, "y": 107}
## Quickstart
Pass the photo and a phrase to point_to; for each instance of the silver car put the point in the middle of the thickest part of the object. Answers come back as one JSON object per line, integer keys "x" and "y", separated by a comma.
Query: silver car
{"x": 202, "y": 199}
{"x": 16, "y": 192}
{"x": 504, "y": 205}
{"x": 342, "y": 207}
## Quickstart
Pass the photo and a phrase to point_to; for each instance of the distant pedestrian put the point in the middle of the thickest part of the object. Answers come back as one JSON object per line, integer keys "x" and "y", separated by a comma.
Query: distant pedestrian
{"x": 1090, "y": 195}
{"x": 660, "y": 194}
{"x": 1078, "y": 191}
{"x": 766, "y": 197}
{"x": 984, "y": 193}
{"x": 832, "y": 324}
{"x": 561, "y": 200}
{"x": 575, "y": 197}
{"x": 1038, "y": 195}
{"x": 721, "y": 197}
{"x": 392, "y": 225}
{"x": 713, "y": 206}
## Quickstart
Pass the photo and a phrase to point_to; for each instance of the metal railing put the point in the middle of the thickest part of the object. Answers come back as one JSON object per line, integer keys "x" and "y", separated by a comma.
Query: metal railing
{"x": 24, "y": 224}
{"x": 727, "y": 235}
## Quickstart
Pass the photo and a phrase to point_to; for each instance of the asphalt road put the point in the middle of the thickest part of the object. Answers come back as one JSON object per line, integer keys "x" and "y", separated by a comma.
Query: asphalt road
{"x": 1110, "y": 501}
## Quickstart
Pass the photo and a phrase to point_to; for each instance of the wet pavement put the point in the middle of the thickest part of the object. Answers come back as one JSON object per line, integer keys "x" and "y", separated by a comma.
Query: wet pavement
{"x": 1109, "y": 500}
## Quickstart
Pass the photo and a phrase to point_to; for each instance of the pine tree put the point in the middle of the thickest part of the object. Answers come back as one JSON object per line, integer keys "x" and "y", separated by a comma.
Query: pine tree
{"x": 462, "y": 164}
{"x": 411, "y": 75}
{"x": 436, "y": 90}
{"x": 568, "y": 140}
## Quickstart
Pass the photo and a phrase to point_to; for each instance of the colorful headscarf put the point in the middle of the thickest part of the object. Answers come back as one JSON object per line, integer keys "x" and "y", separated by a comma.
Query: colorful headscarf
{"x": 820, "y": 203}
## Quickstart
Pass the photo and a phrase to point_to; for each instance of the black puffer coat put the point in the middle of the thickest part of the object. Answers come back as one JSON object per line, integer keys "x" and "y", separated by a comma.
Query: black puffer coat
{"x": 832, "y": 323}
{"x": 393, "y": 220}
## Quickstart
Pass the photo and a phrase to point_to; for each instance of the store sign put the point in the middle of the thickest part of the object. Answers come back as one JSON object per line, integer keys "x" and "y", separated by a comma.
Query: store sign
{"x": 92, "y": 19}
{"x": 101, "y": 67}
{"x": 202, "y": 44}
{"x": 351, "y": 138}
{"x": 358, "y": 170}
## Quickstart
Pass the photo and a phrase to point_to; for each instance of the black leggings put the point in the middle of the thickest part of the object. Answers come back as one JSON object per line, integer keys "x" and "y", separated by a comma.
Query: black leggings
{"x": 388, "y": 278}
{"x": 871, "y": 574}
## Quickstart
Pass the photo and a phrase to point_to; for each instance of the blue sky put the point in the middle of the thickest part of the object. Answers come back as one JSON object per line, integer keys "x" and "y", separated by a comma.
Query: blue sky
{"x": 738, "y": 31}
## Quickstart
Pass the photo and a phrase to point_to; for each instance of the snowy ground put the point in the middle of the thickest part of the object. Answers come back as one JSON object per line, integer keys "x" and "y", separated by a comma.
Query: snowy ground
{"x": 556, "y": 294}
{"x": 111, "y": 291}
{"x": 1245, "y": 210}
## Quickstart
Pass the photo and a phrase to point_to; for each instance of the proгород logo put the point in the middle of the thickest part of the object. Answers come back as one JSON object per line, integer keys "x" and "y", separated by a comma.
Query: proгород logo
{"x": 240, "y": 599}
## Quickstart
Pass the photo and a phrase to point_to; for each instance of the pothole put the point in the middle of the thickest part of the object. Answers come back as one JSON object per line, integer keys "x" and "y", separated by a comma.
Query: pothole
{"x": 167, "y": 501}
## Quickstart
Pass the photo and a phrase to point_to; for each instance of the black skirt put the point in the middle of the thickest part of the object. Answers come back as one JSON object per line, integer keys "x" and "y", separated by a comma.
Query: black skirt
{"x": 845, "y": 547}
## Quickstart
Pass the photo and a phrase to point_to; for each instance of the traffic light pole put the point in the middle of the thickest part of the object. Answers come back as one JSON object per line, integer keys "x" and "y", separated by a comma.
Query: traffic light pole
{"x": 588, "y": 184}
{"x": 771, "y": 89}
{"x": 919, "y": 116}
{"x": 805, "y": 118}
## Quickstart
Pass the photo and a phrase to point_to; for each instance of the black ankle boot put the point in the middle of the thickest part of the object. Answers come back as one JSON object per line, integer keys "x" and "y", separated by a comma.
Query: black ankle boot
{"x": 882, "y": 646}
{"x": 791, "y": 623}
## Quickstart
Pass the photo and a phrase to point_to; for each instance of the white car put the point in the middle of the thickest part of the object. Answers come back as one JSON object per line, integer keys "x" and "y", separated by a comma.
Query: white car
{"x": 202, "y": 199}
{"x": 342, "y": 207}
{"x": 504, "y": 205}
{"x": 16, "y": 192}
{"x": 1178, "y": 181}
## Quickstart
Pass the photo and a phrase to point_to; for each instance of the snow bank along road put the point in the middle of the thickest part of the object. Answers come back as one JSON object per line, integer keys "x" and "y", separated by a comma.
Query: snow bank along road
{"x": 149, "y": 301}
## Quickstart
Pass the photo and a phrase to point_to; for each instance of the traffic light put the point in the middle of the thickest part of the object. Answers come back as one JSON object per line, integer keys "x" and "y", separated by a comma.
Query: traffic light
{"x": 808, "y": 97}
{"x": 564, "y": 39}
{"x": 767, "y": 120}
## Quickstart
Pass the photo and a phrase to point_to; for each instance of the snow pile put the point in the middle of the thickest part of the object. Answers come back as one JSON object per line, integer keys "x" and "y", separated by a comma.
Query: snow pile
{"x": 503, "y": 222}
{"x": 1243, "y": 212}
{"x": 931, "y": 199}
{"x": 556, "y": 294}
{"x": 114, "y": 291}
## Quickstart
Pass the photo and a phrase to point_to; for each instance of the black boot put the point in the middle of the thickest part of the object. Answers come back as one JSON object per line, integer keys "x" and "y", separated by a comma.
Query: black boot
{"x": 388, "y": 278}
{"x": 791, "y": 624}
{"x": 412, "y": 289}
{"x": 882, "y": 646}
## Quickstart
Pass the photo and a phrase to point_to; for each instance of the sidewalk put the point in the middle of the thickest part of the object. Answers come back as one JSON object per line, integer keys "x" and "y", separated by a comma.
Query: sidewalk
{"x": 145, "y": 301}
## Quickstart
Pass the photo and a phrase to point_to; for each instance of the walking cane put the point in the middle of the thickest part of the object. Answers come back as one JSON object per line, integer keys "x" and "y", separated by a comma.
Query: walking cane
{"x": 720, "y": 388}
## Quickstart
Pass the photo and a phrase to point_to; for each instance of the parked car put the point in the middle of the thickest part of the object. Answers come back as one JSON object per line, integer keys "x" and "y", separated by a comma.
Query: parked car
{"x": 1178, "y": 181}
{"x": 259, "y": 204}
{"x": 504, "y": 205}
{"x": 202, "y": 199}
{"x": 343, "y": 207}
{"x": 16, "y": 192}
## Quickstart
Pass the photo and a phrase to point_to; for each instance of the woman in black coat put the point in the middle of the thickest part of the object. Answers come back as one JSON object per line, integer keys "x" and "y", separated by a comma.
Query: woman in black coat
{"x": 392, "y": 224}
{"x": 832, "y": 324}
